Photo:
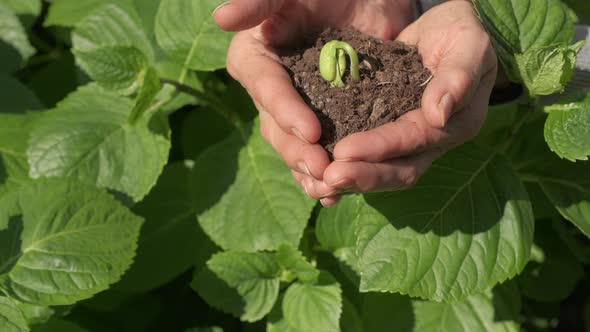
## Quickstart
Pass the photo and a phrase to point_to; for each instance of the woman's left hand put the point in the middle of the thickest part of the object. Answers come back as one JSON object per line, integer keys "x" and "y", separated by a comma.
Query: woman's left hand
{"x": 458, "y": 51}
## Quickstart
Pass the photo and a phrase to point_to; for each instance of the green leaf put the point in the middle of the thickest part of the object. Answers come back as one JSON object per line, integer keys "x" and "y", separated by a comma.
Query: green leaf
{"x": 217, "y": 293}
{"x": 13, "y": 33}
{"x": 185, "y": 30}
{"x": 349, "y": 319}
{"x": 87, "y": 137}
{"x": 114, "y": 67}
{"x": 11, "y": 318}
{"x": 275, "y": 321}
{"x": 253, "y": 275}
{"x": 553, "y": 272}
{"x": 568, "y": 189}
{"x": 291, "y": 259}
{"x": 170, "y": 239}
{"x": 466, "y": 226}
{"x": 517, "y": 26}
{"x": 336, "y": 227}
{"x": 567, "y": 130}
{"x": 492, "y": 311}
{"x": 112, "y": 25}
{"x": 255, "y": 204}
{"x": 24, "y": 7}
{"x": 546, "y": 70}
{"x": 150, "y": 86}
{"x": 15, "y": 126}
{"x": 566, "y": 184}
{"x": 71, "y": 242}
{"x": 314, "y": 307}
{"x": 68, "y": 13}
{"x": 35, "y": 314}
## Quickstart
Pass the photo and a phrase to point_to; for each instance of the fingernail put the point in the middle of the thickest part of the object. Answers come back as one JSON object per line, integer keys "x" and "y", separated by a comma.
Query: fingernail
{"x": 305, "y": 187}
{"x": 338, "y": 183}
{"x": 303, "y": 168}
{"x": 334, "y": 193}
{"x": 297, "y": 133}
{"x": 445, "y": 107}
{"x": 217, "y": 8}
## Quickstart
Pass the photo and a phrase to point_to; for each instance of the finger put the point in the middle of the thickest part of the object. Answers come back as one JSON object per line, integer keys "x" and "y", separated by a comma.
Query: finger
{"x": 238, "y": 15}
{"x": 309, "y": 159}
{"x": 458, "y": 59}
{"x": 409, "y": 134}
{"x": 367, "y": 177}
{"x": 456, "y": 78}
{"x": 412, "y": 133}
{"x": 306, "y": 183}
{"x": 330, "y": 201}
{"x": 269, "y": 85}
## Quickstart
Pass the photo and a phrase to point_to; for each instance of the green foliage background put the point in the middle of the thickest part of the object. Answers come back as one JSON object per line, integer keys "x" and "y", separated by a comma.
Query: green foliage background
{"x": 136, "y": 192}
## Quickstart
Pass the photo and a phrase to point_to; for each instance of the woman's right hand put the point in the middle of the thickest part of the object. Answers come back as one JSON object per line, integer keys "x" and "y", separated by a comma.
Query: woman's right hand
{"x": 264, "y": 26}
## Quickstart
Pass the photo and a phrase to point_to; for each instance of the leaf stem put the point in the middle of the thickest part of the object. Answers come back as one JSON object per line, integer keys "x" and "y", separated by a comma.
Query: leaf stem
{"x": 212, "y": 100}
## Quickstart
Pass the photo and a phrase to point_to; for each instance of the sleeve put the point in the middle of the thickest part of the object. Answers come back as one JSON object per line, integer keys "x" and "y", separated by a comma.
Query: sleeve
{"x": 423, "y": 5}
{"x": 581, "y": 79}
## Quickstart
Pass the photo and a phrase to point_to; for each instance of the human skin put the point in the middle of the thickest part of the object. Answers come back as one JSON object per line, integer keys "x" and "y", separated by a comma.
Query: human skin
{"x": 452, "y": 43}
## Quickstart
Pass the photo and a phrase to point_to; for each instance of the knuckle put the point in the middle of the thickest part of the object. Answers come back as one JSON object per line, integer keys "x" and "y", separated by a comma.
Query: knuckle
{"x": 459, "y": 82}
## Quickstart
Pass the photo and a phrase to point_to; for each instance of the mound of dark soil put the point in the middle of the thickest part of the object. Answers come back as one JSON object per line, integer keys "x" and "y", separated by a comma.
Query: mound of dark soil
{"x": 392, "y": 82}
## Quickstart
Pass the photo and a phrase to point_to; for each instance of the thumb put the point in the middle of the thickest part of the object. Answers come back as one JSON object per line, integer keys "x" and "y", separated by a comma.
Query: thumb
{"x": 450, "y": 89}
{"x": 457, "y": 76}
{"x": 238, "y": 15}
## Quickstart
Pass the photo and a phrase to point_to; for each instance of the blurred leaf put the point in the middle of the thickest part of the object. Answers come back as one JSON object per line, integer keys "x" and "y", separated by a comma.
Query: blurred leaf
{"x": 547, "y": 70}
{"x": 186, "y": 32}
{"x": 114, "y": 67}
{"x": 170, "y": 228}
{"x": 87, "y": 137}
{"x": 314, "y": 307}
{"x": 552, "y": 273}
{"x": 565, "y": 183}
{"x": 255, "y": 276}
{"x": 69, "y": 12}
{"x": 11, "y": 318}
{"x": 13, "y": 33}
{"x": 112, "y": 25}
{"x": 567, "y": 130}
{"x": 149, "y": 87}
{"x": 255, "y": 204}
{"x": 492, "y": 311}
{"x": 72, "y": 241}
{"x": 291, "y": 259}
{"x": 245, "y": 285}
{"x": 24, "y": 7}
{"x": 519, "y": 26}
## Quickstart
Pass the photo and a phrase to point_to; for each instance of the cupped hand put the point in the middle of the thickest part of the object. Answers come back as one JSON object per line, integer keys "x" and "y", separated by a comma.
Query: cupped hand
{"x": 265, "y": 26}
{"x": 456, "y": 48}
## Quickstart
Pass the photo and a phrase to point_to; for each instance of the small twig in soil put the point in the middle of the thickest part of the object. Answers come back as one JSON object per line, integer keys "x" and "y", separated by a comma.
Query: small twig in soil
{"x": 428, "y": 80}
{"x": 383, "y": 83}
